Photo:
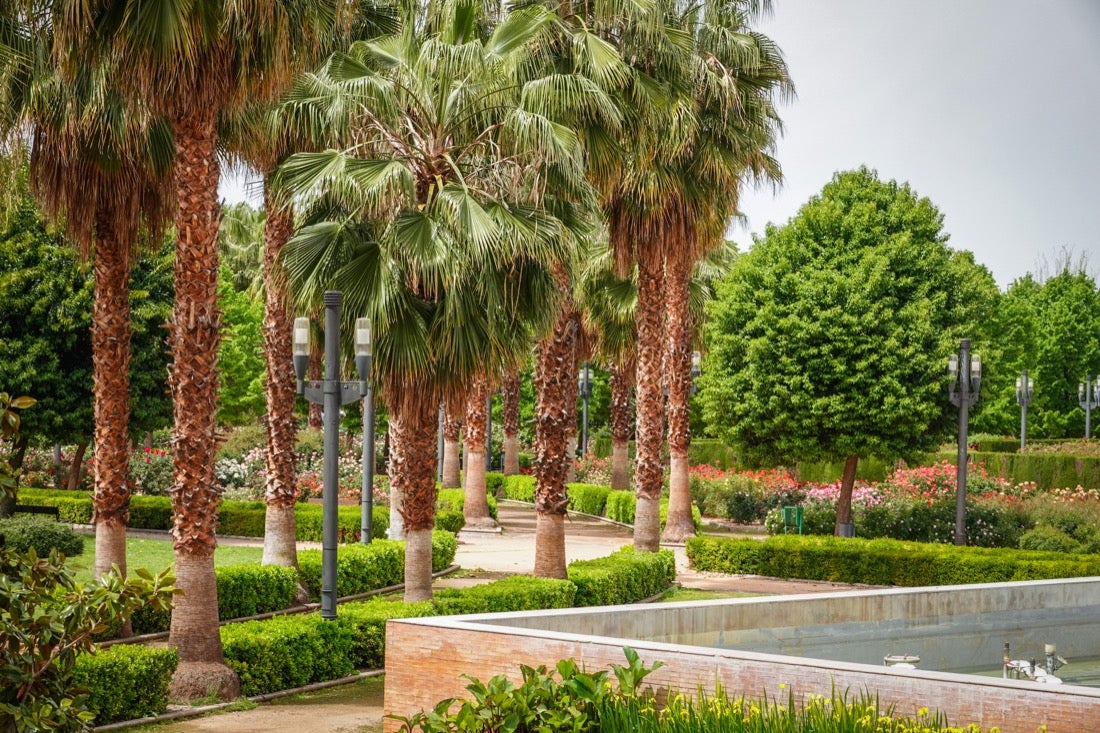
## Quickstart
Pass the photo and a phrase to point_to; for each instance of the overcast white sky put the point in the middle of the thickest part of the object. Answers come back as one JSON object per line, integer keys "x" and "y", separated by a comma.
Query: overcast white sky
{"x": 990, "y": 108}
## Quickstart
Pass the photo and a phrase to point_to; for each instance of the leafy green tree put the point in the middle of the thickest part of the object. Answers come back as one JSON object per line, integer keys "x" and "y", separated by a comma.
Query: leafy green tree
{"x": 829, "y": 338}
{"x": 1014, "y": 334}
{"x": 45, "y": 340}
{"x": 241, "y": 397}
{"x": 10, "y": 422}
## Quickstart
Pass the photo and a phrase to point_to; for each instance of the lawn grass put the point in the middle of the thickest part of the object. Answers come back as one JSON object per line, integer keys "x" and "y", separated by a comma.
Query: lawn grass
{"x": 156, "y": 555}
{"x": 697, "y": 594}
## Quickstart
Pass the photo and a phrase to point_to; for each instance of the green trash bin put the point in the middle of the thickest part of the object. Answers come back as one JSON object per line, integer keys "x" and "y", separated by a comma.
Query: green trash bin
{"x": 792, "y": 518}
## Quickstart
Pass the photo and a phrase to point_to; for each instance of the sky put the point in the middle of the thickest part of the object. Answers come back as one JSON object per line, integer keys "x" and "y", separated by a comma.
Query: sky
{"x": 990, "y": 108}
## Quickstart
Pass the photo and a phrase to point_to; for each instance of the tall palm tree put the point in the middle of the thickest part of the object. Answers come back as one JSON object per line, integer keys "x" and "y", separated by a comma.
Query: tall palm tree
{"x": 452, "y": 437}
{"x": 433, "y": 215}
{"x": 192, "y": 61}
{"x": 509, "y": 402}
{"x": 475, "y": 507}
{"x": 738, "y": 75}
{"x": 99, "y": 167}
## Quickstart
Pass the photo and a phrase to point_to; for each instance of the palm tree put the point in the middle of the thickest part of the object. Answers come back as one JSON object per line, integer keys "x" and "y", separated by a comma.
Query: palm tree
{"x": 192, "y": 61}
{"x": 434, "y": 217}
{"x": 509, "y": 401}
{"x": 99, "y": 167}
{"x": 475, "y": 507}
{"x": 452, "y": 437}
{"x": 738, "y": 75}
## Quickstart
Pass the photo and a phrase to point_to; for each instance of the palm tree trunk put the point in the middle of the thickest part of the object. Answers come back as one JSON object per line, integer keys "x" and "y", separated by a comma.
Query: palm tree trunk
{"x": 193, "y": 378}
{"x": 281, "y": 485}
{"x": 622, "y": 384}
{"x": 509, "y": 397}
{"x": 555, "y": 393}
{"x": 844, "y": 501}
{"x": 396, "y": 530}
{"x": 452, "y": 436}
{"x": 475, "y": 506}
{"x": 648, "y": 470}
{"x": 111, "y": 385}
{"x": 313, "y": 372}
{"x": 678, "y": 339}
{"x": 412, "y": 472}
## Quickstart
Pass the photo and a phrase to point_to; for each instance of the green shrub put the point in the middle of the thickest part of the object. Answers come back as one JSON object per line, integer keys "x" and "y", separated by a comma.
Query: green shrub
{"x": 1046, "y": 470}
{"x": 309, "y": 518}
{"x": 240, "y": 440}
{"x": 455, "y": 499}
{"x": 286, "y": 652}
{"x": 359, "y": 568}
{"x": 881, "y": 561}
{"x": 516, "y": 593}
{"x": 1049, "y": 539}
{"x": 150, "y": 512}
{"x": 450, "y": 520}
{"x": 367, "y": 621}
{"x": 711, "y": 453}
{"x": 493, "y": 482}
{"x": 625, "y": 576}
{"x": 126, "y": 681}
{"x": 24, "y": 532}
{"x": 444, "y": 547}
{"x": 518, "y": 488}
{"x": 242, "y": 518}
{"x": 620, "y": 506}
{"x": 588, "y": 498}
{"x": 243, "y": 590}
{"x": 151, "y": 471}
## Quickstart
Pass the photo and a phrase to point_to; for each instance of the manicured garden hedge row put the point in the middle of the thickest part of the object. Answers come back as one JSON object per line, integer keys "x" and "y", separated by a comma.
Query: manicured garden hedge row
{"x": 290, "y": 651}
{"x": 703, "y": 451}
{"x": 590, "y": 499}
{"x": 248, "y": 590}
{"x": 882, "y": 562}
{"x": 1048, "y": 471}
{"x": 126, "y": 681}
{"x": 520, "y": 487}
{"x": 625, "y": 576}
{"x": 23, "y": 532}
{"x": 621, "y": 506}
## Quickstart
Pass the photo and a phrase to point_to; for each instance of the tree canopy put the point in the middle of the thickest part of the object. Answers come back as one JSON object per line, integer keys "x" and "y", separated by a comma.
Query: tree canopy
{"x": 829, "y": 338}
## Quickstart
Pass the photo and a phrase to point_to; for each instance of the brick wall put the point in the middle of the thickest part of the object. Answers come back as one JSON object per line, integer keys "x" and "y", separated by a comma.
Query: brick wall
{"x": 426, "y": 658}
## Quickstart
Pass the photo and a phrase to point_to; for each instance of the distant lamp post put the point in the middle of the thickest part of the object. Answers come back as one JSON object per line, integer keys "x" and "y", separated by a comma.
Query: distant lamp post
{"x": 489, "y": 432}
{"x": 1088, "y": 396}
{"x": 362, "y": 365}
{"x": 584, "y": 385}
{"x": 965, "y": 372}
{"x": 1025, "y": 388}
{"x": 330, "y": 393}
{"x": 696, "y": 370}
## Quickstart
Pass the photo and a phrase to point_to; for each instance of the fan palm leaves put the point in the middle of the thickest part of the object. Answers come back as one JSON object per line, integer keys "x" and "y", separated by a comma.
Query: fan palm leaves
{"x": 445, "y": 201}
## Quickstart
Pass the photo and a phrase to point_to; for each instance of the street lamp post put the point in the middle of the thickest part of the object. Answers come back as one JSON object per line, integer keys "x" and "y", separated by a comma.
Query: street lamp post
{"x": 696, "y": 370}
{"x": 965, "y": 371}
{"x": 330, "y": 393}
{"x": 1025, "y": 388}
{"x": 584, "y": 384}
{"x": 1088, "y": 396}
{"x": 362, "y": 365}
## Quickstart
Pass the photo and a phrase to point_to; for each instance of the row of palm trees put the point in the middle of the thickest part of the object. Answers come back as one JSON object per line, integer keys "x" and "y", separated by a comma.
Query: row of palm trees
{"x": 453, "y": 166}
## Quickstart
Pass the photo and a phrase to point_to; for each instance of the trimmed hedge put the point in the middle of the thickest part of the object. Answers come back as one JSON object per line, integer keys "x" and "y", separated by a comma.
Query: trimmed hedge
{"x": 126, "y": 681}
{"x": 516, "y": 593}
{"x": 588, "y": 498}
{"x": 621, "y": 505}
{"x": 1046, "y": 470}
{"x": 363, "y": 568}
{"x": 624, "y": 576}
{"x": 23, "y": 532}
{"x": 455, "y": 499}
{"x": 702, "y": 451}
{"x": 243, "y": 590}
{"x": 287, "y": 651}
{"x": 519, "y": 487}
{"x": 882, "y": 561}
{"x": 367, "y": 620}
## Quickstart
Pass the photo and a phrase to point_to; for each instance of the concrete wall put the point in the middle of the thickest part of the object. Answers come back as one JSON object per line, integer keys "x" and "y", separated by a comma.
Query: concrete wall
{"x": 426, "y": 658}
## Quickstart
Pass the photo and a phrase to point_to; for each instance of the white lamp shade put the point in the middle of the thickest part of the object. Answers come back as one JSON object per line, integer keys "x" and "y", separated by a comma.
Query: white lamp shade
{"x": 362, "y": 337}
{"x": 301, "y": 336}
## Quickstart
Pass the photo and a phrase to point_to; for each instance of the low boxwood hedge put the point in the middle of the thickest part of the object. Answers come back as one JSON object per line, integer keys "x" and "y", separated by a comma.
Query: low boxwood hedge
{"x": 882, "y": 561}
{"x": 287, "y": 651}
{"x": 517, "y": 593}
{"x": 243, "y": 590}
{"x": 519, "y": 487}
{"x": 622, "y": 503}
{"x": 625, "y": 576}
{"x": 24, "y": 532}
{"x": 588, "y": 498}
{"x": 455, "y": 499}
{"x": 126, "y": 681}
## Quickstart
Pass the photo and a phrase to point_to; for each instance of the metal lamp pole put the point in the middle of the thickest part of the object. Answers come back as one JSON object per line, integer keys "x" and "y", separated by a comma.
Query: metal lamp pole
{"x": 1025, "y": 388}
{"x": 1088, "y": 396}
{"x": 330, "y": 393}
{"x": 362, "y": 365}
{"x": 965, "y": 371}
{"x": 585, "y": 385}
